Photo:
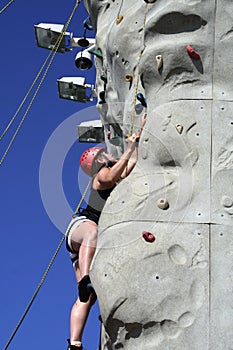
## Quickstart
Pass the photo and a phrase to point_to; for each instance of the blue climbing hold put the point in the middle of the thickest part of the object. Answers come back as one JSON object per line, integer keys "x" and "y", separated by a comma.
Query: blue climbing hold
{"x": 141, "y": 99}
{"x": 87, "y": 24}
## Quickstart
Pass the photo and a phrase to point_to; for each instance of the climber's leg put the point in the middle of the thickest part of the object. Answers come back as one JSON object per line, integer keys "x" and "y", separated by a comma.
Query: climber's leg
{"x": 83, "y": 242}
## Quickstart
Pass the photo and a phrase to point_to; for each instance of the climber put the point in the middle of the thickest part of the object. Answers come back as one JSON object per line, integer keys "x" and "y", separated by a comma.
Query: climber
{"x": 81, "y": 234}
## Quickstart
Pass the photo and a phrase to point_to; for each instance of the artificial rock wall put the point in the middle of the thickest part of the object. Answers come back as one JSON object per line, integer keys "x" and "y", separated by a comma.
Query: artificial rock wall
{"x": 163, "y": 266}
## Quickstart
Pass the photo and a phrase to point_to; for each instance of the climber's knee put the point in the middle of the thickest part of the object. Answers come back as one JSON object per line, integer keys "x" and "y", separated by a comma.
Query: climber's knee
{"x": 86, "y": 290}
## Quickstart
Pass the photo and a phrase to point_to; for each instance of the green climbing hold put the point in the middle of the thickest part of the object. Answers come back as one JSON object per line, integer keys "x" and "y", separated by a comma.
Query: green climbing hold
{"x": 96, "y": 52}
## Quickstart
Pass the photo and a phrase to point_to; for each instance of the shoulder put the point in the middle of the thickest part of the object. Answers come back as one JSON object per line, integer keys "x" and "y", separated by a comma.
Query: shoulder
{"x": 102, "y": 180}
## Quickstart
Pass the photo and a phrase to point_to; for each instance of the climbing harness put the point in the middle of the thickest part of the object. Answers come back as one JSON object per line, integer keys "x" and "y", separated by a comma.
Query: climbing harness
{"x": 52, "y": 55}
{"x": 159, "y": 60}
{"x": 46, "y": 272}
{"x": 6, "y": 6}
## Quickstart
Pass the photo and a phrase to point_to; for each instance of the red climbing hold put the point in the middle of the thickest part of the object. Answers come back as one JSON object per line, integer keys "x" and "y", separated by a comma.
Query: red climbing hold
{"x": 148, "y": 236}
{"x": 192, "y": 53}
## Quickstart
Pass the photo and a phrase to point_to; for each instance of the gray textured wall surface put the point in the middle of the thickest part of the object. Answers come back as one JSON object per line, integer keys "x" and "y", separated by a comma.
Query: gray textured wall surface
{"x": 174, "y": 292}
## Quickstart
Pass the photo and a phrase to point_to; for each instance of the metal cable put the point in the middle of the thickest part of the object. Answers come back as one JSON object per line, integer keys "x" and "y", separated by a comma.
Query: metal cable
{"x": 6, "y": 6}
{"x": 26, "y": 96}
{"x": 55, "y": 49}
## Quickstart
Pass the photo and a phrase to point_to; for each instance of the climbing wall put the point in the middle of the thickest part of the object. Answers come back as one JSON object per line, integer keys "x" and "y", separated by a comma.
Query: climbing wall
{"x": 163, "y": 266}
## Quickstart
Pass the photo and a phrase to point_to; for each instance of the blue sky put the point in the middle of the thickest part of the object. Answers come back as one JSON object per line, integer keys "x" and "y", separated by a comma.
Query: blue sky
{"x": 40, "y": 180}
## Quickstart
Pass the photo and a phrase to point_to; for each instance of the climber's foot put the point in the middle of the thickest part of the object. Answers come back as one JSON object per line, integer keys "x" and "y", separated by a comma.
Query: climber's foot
{"x": 74, "y": 347}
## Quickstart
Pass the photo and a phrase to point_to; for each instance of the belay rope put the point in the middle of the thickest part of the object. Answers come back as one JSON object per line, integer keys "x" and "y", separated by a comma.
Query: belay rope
{"x": 5, "y": 7}
{"x": 46, "y": 271}
{"x": 138, "y": 74}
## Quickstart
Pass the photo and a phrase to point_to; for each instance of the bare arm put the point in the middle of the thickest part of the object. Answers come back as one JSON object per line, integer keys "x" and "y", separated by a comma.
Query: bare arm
{"x": 131, "y": 163}
{"x": 108, "y": 177}
{"x": 134, "y": 157}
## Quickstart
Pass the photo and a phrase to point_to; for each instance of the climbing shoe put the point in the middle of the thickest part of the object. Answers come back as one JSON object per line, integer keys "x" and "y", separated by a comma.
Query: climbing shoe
{"x": 74, "y": 347}
{"x": 85, "y": 288}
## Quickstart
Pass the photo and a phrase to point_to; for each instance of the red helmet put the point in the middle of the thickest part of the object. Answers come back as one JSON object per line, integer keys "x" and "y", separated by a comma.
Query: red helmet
{"x": 88, "y": 157}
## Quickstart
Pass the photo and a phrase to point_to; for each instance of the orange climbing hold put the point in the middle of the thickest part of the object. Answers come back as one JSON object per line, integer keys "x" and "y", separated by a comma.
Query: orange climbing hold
{"x": 119, "y": 19}
{"x": 148, "y": 236}
{"x": 129, "y": 78}
{"x": 192, "y": 53}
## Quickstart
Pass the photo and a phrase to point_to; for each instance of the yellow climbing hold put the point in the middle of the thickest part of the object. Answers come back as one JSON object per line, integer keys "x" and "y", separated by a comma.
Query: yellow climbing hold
{"x": 128, "y": 78}
{"x": 159, "y": 60}
{"x": 119, "y": 19}
{"x": 179, "y": 128}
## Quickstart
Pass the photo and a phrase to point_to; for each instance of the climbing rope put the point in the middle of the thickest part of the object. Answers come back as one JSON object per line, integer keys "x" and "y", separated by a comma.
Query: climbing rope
{"x": 5, "y": 7}
{"x": 52, "y": 53}
{"x": 35, "y": 293}
{"x": 81, "y": 200}
{"x": 138, "y": 74}
{"x": 46, "y": 271}
{"x": 26, "y": 96}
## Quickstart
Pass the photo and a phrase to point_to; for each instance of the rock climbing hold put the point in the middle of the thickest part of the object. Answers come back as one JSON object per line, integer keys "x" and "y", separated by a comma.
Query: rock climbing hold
{"x": 102, "y": 97}
{"x": 148, "y": 236}
{"x": 227, "y": 201}
{"x": 162, "y": 203}
{"x": 179, "y": 128}
{"x": 142, "y": 99}
{"x": 119, "y": 19}
{"x": 116, "y": 141}
{"x": 129, "y": 78}
{"x": 192, "y": 53}
{"x": 104, "y": 78}
{"x": 149, "y": 1}
{"x": 159, "y": 60}
{"x": 138, "y": 108}
{"x": 96, "y": 52}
